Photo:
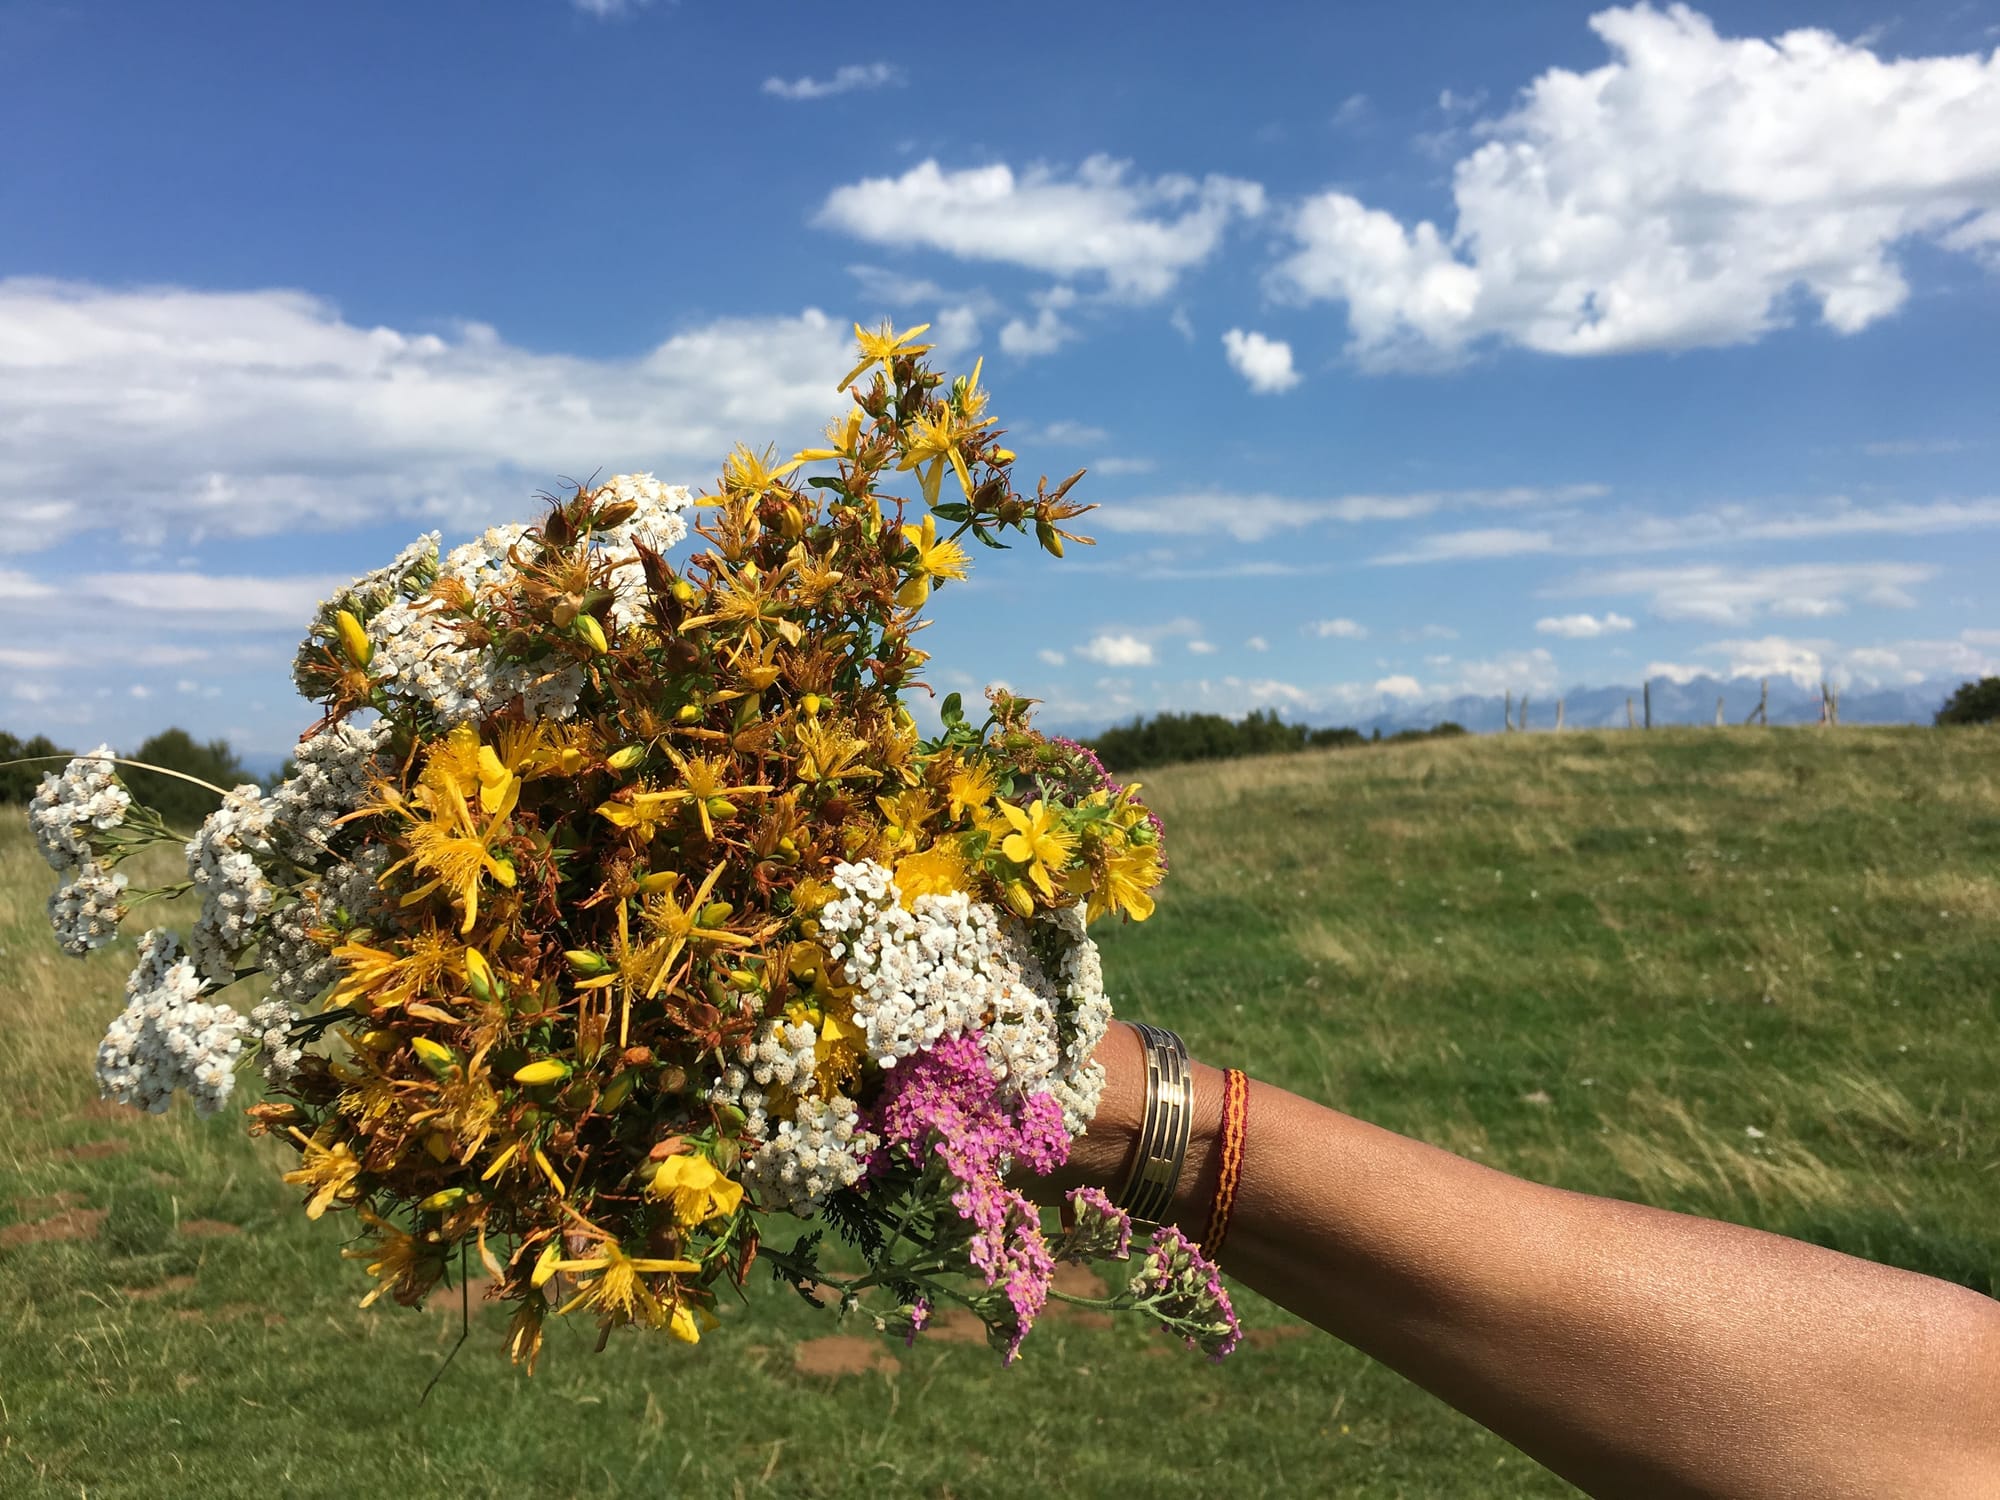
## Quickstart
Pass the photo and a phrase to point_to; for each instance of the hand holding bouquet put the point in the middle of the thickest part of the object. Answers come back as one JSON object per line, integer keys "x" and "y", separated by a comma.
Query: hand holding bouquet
{"x": 616, "y": 900}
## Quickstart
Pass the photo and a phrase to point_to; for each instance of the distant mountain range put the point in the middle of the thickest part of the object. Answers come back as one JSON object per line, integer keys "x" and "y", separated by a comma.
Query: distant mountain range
{"x": 1691, "y": 702}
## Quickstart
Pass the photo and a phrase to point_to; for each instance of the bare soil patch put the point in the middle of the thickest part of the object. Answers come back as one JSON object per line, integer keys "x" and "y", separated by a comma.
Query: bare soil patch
{"x": 148, "y": 1293}
{"x": 1270, "y": 1338}
{"x": 96, "y": 1150}
{"x": 70, "y": 1224}
{"x": 209, "y": 1228}
{"x": 841, "y": 1354}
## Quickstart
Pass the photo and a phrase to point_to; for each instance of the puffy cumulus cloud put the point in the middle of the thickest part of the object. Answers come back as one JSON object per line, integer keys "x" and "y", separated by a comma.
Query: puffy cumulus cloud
{"x": 1117, "y": 649}
{"x": 1050, "y": 658}
{"x": 1251, "y": 517}
{"x": 1342, "y": 629}
{"x": 1583, "y": 627}
{"x": 1683, "y": 194}
{"x": 1774, "y": 656}
{"x": 1258, "y": 643}
{"x": 164, "y": 411}
{"x": 1139, "y": 234}
{"x": 845, "y": 80}
{"x": 1721, "y": 595}
{"x": 1400, "y": 687}
{"x": 1202, "y": 648}
{"x": 1265, "y": 362}
{"x": 1531, "y": 671}
{"x": 1048, "y": 333}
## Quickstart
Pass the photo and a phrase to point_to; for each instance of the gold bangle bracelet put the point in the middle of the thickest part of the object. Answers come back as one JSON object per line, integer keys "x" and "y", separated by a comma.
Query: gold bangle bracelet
{"x": 1148, "y": 1191}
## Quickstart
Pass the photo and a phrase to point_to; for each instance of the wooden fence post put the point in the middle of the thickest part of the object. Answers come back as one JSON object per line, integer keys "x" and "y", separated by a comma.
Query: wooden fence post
{"x": 1718, "y": 710}
{"x": 1630, "y": 722}
{"x": 1647, "y": 688}
{"x": 1559, "y": 715}
{"x": 1524, "y": 713}
{"x": 1507, "y": 712}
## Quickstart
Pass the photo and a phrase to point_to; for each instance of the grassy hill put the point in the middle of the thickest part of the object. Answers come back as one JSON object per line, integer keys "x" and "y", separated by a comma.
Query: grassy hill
{"x": 1744, "y": 973}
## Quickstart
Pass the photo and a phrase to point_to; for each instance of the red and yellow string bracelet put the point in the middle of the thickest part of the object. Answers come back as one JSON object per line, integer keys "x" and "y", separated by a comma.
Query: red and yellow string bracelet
{"x": 1235, "y": 1111}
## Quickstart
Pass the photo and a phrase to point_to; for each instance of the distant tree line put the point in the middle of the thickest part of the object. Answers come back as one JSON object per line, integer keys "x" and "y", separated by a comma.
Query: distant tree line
{"x": 1973, "y": 703}
{"x": 1168, "y": 738}
{"x": 183, "y": 805}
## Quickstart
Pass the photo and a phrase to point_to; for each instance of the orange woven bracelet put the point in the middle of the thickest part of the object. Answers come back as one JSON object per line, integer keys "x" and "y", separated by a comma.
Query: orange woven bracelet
{"x": 1235, "y": 1111}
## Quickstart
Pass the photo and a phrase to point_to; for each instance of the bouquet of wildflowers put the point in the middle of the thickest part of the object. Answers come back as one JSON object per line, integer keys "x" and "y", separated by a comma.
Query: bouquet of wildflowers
{"x": 616, "y": 907}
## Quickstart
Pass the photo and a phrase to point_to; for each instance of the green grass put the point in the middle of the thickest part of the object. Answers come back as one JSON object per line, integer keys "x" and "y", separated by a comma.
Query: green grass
{"x": 1597, "y": 960}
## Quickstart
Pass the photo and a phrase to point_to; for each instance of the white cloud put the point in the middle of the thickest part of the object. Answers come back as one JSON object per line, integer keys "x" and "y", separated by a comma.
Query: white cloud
{"x": 606, "y": 9}
{"x": 1637, "y": 531}
{"x": 1202, "y": 648}
{"x": 1461, "y": 546}
{"x": 1353, "y": 112}
{"x": 1258, "y": 643}
{"x": 1252, "y": 517}
{"x": 1051, "y": 658}
{"x": 1048, "y": 333}
{"x": 1734, "y": 596}
{"x": 1980, "y": 637}
{"x": 1773, "y": 656}
{"x": 1120, "y": 649}
{"x": 845, "y": 80}
{"x": 1110, "y": 467}
{"x": 1064, "y": 432}
{"x": 1343, "y": 629}
{"x": 1510, "y": 671}
{"x": 1676, "y": 671}
{"x": 1400, "y": 687}
{"x": 1915, "y": 447}
{"x": 1583, "y": 627}
{"x": 165, "y": 412}
{"x": 1675, "y": 197}
{"x": 1266, "y": 363}
{"x": 1140, "y": 234}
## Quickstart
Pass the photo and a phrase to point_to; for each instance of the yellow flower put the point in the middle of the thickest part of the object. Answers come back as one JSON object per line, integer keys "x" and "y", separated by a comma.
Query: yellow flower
{"x": 399, "y": 1262}
{"x": 970, "y": 788}
{"x": 883, "y": 348}
{"x": 328, "y": 1170}
{"x": 933, "y": 442}
{"x": 934, "y": 559}
{"x": 619, "y": 1292}
{"x": 938, "y": 871}
{"x": 382, "y": 979}
{"x": 843, "y": 437}
{"x": 748, "y": 473}
{"x": 695, "y": 1189}
{"x": 688, "y": 1324}
{"x": 1129, "y": 877}
{"x": 1038, "y": 841}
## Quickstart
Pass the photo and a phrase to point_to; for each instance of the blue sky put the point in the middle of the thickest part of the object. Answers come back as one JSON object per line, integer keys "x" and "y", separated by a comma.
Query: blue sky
{"x": 1413, "y": 350}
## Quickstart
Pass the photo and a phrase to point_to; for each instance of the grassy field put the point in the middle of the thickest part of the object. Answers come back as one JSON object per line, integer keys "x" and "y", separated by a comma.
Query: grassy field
{"x": 1742, "y": 973}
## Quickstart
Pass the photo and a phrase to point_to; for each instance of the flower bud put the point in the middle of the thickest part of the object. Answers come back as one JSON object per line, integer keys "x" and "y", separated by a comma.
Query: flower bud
{"x": 617, "y": 1092}
{"x": 658, "y": 880}
{"x": 683, "y": 591}
{"x": 811, "y": 704}
{"x": 353, "y": 638}
{"x": 688, "y": 713}
{"x": 547, "y": 1070}
{"x": 592, "y": 633}
{"x": 716, "y": 913}
{"x": 434, "y": 1055}
{"x": 625, "y": 759}
{"x": 587, "y": 965}
{"x": 486, "y": 986}
{"x": 442, "y": 1199}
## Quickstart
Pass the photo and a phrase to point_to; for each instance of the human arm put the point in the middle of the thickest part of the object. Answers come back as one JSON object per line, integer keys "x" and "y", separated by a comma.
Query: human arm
{"x": 1635, "y": 1352}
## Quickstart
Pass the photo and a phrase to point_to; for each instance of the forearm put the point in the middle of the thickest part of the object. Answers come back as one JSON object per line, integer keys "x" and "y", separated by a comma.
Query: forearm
{"x": 1634, "y": 1351}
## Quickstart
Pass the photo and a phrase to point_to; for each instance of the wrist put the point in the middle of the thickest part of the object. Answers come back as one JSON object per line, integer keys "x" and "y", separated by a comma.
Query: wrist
{"x": 1103, "y": 1156}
